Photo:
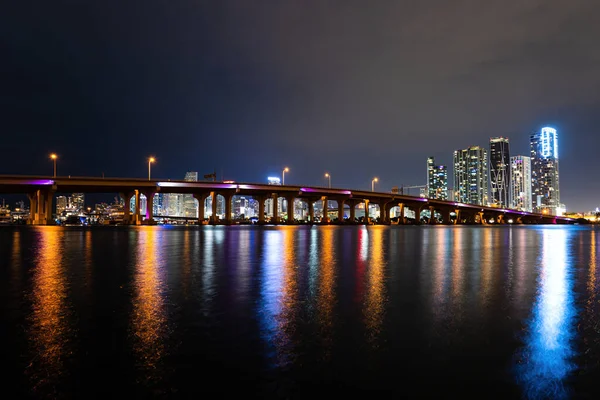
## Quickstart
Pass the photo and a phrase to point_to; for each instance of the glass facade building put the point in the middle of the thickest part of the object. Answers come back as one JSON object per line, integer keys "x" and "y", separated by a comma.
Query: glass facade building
{"x": 499, "y": 172}
{"x": 544, "y": 171}
{"x": 520, "y": 193}
{"x": 437, "y": 180}
{"x": 471, "y": 176}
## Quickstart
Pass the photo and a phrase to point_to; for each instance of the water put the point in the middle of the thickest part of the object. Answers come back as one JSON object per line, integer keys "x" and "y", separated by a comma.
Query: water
{"x": 297, "y": 312}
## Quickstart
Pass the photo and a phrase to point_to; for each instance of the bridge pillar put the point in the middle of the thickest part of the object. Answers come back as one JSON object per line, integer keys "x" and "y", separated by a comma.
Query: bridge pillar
{"x": 275, "y": 218}
{"x": 325, "y": 215}
{"x": 136, "y": 216}
{"x": 201, "y": 197}
{"x": 500, "y": 219}
{"x": 340, "y": 211}
{"x": 384, "y": 212}
{"x": 261, "y": 209}
{"x": 482, "y": 220}
{"x": 32, "y": 207}
{"x": 458, "y": 216}
{"x": 126, "y": 196}
{"x": 43, "y": 210}
{"x": 227, "y": 197}
{"x": 311, "y": 211}
{"x": 149, "y": 207}
{"x": 290, "y": 209}
{"x": 352, "y": 205}
{"x": 214, "y": 218}
{"x": 367, "y": 217}
{"x": 401, "y": 219}
{"x": 445, "y": 212}
{"x": 431, "y": 215}
{"x": 418, "y": 210}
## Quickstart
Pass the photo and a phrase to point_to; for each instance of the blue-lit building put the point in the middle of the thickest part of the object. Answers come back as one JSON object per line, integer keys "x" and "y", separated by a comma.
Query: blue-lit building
{"x": 544, "y": 172}
{"x": 437, "y": 180}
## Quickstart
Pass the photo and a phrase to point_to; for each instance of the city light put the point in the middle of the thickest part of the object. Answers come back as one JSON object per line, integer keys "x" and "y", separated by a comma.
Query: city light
{"x": 54, "y": 157}
{"x": 286, "y": 169}
{"x": 150, "y": 161}
{"x": 373, "y": 184}
{"x": 549, "y": 143}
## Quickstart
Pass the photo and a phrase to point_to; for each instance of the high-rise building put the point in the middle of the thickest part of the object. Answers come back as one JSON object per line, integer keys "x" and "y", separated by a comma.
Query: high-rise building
{"x": 77, "y": 202}
{"x": 470, "y": 176}
{"x": 190, "y": 204}
{"x": 520, "y": 183}
{"x": 437, "y": 180}
{"x": 544, "y": 171}
{"x": 499, "y": 172}
{"x": 61, "y": 205}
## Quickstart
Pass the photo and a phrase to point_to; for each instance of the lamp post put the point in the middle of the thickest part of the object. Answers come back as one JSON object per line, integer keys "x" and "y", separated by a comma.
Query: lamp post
{"x": 329, "y": 179}
{"x": 150, "y": 161}
{"x": 286, "y": 169}
{"x": 53, "y": 157}
{"x": 373, "y": 184}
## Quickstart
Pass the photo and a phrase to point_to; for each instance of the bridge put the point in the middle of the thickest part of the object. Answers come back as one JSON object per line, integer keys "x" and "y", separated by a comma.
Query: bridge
{"x": 41, "y": 190}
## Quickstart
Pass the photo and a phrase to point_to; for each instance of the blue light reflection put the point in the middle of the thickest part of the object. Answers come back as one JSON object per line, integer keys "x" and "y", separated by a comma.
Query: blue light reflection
{"x": 546, "y": 358}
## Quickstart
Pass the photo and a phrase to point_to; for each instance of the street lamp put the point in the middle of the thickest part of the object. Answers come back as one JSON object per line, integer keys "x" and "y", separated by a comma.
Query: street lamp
{"x": 53, "y": 157}
{"x": 329, "y": 178}
{"x": 373, "y": 184}
{"x": 150, "y": 161}
{"x": 286, "y": 169}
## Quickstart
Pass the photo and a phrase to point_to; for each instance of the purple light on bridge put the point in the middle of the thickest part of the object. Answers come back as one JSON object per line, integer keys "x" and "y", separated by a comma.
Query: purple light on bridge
{"x": 211, "y": 185}
{"x": 39, "y": 182}
{"x": 310, "y": 190}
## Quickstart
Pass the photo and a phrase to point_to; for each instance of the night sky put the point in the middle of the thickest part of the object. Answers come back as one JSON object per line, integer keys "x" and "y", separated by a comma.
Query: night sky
{"x": 354, "y": 88}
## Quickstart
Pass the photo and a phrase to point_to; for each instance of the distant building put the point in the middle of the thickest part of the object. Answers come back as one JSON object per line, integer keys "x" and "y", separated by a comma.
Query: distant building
{"x": 544, "y": 171}
{"x": 76, "y": 202}
{"x": 437, "y": 180}
{"x": 470, "y": 176}
{"x": 190, "y": 204}
{"x": 61, "y": 205}
{"x": 499, "y": 172}
{"x": 520, "y": 183}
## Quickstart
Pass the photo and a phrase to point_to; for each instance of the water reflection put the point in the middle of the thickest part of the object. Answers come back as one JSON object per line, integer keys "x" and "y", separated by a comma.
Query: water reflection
{"x": 326, "y": 296}
{"x": 50, "y": 333}
{"x": 375, "y": 304}
{"x": 149, "y": 319}
{"x": 546, "y": 360}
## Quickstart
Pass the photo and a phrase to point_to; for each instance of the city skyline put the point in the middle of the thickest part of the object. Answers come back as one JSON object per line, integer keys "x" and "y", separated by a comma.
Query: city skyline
{"x": 337, "y": 90}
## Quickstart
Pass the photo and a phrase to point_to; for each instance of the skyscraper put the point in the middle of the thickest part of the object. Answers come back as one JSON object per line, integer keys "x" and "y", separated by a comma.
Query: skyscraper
{"x": 190, "y": 207}
{"x": 520, "y": 183}
{"x": 499, "y": 172}
{"x": 544, "y": 171}
{"x": 470, "y": 175}
{"x": 437, "y": 180}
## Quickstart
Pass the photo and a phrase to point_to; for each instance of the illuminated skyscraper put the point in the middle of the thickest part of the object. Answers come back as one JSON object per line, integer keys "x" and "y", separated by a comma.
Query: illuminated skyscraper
{"x": 544, "y": 171}
{"x": 520, "y": 183}
{"x": 499, "y": 172}
{"x": 77, "y": 201}
{"x": 470, "y": 176}
{"x": 61, "y": 205}
{"x": 437, "y": 180}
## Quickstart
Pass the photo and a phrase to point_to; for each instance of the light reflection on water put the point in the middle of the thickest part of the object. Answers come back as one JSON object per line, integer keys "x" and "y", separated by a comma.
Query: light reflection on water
{"x": 547, "y": 357}
{"x": 149, "y": 318}
{"x": 50, "y": 334}
{"x": 375, "y": 303}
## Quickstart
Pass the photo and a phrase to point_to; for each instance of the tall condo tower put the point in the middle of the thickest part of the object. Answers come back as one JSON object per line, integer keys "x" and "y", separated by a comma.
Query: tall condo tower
{"x": 520, "y": 183}
{"x": 471, "y": 176}
{"x": 499, "y": 172}
{"x": 544, "y": 171}
{"x": 437, "y": 180}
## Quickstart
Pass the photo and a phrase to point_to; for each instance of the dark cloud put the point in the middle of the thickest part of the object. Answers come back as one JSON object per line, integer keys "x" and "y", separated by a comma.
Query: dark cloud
{"x": 353, "y": 88}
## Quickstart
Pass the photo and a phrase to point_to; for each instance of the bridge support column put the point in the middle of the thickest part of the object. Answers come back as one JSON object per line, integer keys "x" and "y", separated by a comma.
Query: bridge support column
{"x": 432, "y": 215}
{"x": 32, "y": 207}
{"x": 261, "y": 209}
{"x": 311, "y": 211}
{"x": 227, "y": 197}
{"x": 482, "y": 220}
{"x": 149, "y": 207}
{"x": 384, "y": 212}
{"x": 126, "y": 196}
{"x": 340, "y": 211}
{"x": 352, "y": 205}
{"x": 214, "y": 218}
{"x": 401, "y": 219}
{"x": 458, "y": 217}
{"x": 418, "y": 210}
{"x": 201, "y": 197}
{"x": 500, "y": 219}
{"x": 137, "y": 219}
{"x": 275, "y": 218}
{"x": 290, "y": 209}
{"x": 325, "y": 214}
{"x": 367, "y": 217}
